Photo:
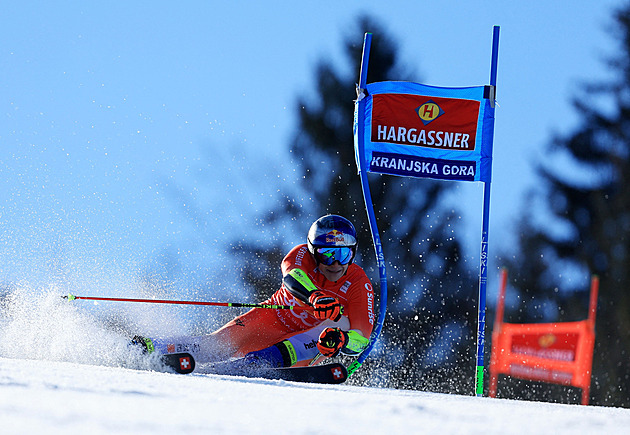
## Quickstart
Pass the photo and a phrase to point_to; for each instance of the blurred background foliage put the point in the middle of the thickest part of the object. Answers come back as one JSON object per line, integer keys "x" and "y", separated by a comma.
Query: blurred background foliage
{"x": 428, "y": 341}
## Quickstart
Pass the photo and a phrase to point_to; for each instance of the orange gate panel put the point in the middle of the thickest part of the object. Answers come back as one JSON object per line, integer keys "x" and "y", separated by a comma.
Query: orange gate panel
{"x": 560, "y": 353}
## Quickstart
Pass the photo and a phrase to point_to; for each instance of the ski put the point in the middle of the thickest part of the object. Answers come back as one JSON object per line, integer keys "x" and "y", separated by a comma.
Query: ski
{"x": 183, "y": 363}
{"x": 332, "y": 373}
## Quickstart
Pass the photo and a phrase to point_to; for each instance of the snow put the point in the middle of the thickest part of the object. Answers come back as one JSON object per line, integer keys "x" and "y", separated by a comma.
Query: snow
{"x": 63, "y": 369}
{"x": 59, "y": 397}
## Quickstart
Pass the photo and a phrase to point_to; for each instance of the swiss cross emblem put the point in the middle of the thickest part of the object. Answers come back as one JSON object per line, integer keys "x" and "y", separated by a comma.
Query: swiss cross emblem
{"x": 184, "y": 363}
{"x": 337, "y": 374}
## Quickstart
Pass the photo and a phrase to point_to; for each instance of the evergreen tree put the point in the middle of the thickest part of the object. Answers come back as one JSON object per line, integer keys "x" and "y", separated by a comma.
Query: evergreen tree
{"x": 428, "y": 337}
{"x": 589, "y": 226}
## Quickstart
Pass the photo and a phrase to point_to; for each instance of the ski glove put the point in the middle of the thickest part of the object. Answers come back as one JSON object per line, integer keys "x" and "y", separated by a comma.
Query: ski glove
{"x": 326, "y": 307}
{"x": 331, "y": 341}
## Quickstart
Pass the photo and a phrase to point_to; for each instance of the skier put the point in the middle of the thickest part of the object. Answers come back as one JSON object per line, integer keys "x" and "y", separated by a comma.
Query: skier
{"x": 334, "y": 310}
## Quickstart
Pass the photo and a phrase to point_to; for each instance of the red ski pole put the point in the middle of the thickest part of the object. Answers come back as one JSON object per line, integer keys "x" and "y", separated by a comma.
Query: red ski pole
{"x": 214, "y": 304}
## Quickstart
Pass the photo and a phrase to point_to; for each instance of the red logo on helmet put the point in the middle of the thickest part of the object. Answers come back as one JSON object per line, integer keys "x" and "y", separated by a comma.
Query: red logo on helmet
{"x": 335, "y": 237}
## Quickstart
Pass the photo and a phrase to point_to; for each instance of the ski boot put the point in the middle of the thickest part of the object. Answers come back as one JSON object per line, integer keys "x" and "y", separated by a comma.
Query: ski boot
{"x": 257, "y": 362}
{"x": 146, "y": 344}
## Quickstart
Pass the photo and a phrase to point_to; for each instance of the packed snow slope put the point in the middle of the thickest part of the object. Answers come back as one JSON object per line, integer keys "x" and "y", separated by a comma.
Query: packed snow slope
{"x": 58, "y": 397}
{"x": 64, "y": 369}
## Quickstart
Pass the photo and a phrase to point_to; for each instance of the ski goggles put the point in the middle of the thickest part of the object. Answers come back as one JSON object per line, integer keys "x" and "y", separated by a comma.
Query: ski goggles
{"x": 328, "y": 256}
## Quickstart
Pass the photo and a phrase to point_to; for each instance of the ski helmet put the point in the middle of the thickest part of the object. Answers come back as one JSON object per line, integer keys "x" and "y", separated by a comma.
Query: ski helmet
{"x": 332, "y": 238}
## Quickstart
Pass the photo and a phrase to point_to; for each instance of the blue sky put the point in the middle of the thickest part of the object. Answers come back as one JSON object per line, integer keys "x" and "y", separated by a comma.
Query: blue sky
{"x": 131, "y": 130}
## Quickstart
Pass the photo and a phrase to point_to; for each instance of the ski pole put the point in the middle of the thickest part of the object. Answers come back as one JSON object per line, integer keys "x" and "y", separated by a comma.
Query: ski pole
{"x": 316, "y": 359}
{"x": 71, "y": 297}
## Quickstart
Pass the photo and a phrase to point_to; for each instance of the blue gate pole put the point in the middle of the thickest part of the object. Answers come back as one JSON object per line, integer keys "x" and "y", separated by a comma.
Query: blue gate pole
{"x": 483, "y": 268}
{"x": 365, "y": 187}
